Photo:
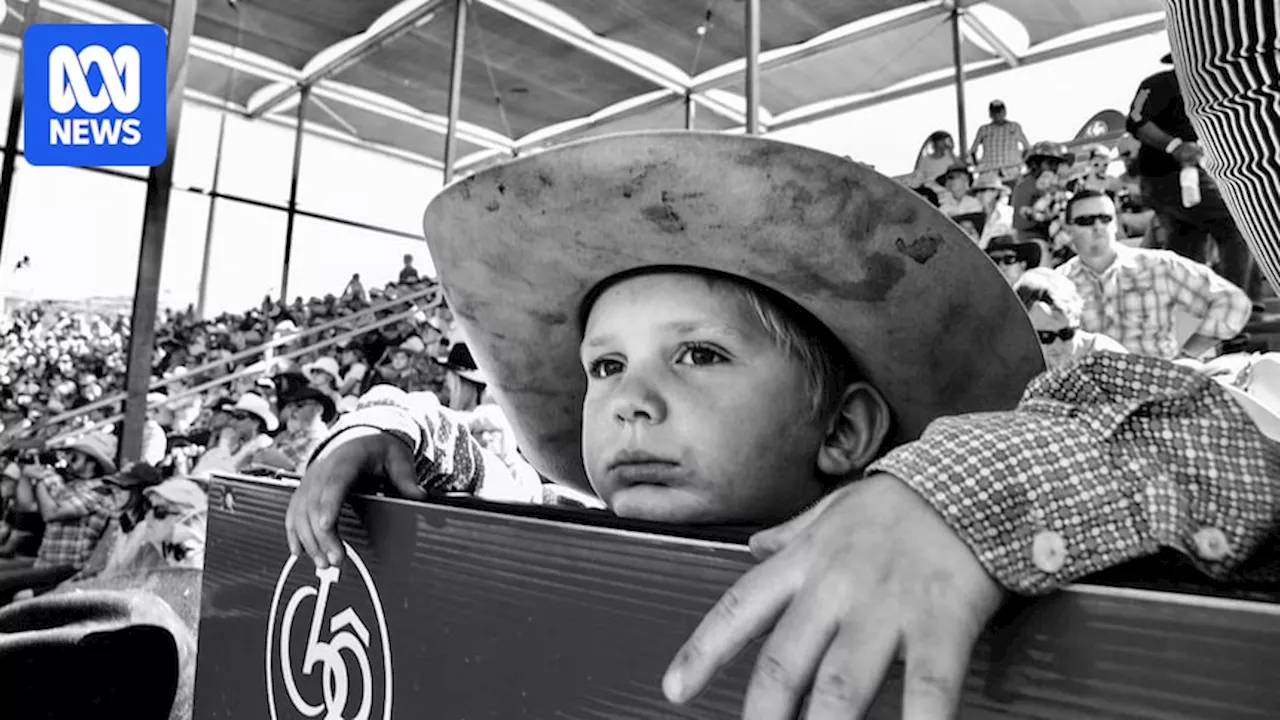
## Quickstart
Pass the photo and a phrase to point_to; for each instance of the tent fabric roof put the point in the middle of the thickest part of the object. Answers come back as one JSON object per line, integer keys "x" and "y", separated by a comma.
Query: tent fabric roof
{"x": 539, "y": 72}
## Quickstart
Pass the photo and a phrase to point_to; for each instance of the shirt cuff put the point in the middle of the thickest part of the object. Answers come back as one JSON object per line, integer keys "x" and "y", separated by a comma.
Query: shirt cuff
{"x": 1063, "y": 488}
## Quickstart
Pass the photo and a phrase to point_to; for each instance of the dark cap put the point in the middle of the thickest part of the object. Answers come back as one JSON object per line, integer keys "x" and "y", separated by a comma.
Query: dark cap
{"x": 995, "y": 105}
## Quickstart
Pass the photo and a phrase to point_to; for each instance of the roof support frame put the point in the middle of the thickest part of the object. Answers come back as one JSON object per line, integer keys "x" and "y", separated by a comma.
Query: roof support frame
{"x": 730, "y": 72}
{"x": 592, "y": 45}
{"x": 802, "y": 116}
{"x": 979, "y": 28}
{"x": 366, "y": 47}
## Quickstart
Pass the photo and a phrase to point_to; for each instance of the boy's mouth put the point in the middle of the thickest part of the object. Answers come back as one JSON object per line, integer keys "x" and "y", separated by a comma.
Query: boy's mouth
{"x": 631, "y": 467}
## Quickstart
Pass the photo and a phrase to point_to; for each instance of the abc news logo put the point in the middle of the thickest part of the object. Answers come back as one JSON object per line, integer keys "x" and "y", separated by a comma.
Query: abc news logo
{"x": 121, "y": 90}
{"x": 96, "y": 95}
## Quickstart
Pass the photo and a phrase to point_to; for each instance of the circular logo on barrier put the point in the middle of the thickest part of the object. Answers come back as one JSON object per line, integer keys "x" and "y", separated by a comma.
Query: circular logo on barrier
{"x": 328, "y": 652}
{"x": 1099, "y": 127}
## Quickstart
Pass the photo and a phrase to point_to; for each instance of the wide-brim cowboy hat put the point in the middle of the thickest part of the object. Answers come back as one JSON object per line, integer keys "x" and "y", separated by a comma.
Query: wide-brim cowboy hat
{"x": 462, "y": 364}
{"x": 329, "y": 408}
{"x": 519, "y": 247}
{"x": 99, "y": 446}
{"x": 94, "y": 653}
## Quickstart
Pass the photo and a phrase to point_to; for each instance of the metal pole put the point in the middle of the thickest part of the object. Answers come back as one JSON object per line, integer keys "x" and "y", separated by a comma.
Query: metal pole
{"x": 690, "y": 111}
{"x": 203, "y": 296}
{"x": 962, "y": 142}
{"x": 292, "y": 212}
{"x": 753, "y": 67}
{"x": 9, "y": 164}
{"x": 155, "y": 219}
{"x": 455, "y": 89}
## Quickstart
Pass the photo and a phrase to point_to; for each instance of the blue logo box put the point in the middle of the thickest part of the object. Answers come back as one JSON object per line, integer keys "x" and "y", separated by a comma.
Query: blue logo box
{"x": 94, "y": 95}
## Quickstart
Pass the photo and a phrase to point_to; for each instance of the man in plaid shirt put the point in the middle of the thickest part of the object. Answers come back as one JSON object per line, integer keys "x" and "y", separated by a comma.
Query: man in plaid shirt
{"x": 76, "y": 509}
{"x": 1132, "y": 294}
{"x": 1002, "y": 144}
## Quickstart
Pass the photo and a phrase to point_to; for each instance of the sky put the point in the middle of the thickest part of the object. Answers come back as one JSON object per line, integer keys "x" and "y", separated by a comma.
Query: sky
{"x": 81, "y": 230}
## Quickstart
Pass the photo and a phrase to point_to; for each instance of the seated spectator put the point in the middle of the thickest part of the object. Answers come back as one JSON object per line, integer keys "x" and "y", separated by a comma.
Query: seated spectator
{"x": 464, "y": 382}
{"x": 955, "y": 198}
{"x": 1013, "y": 258}
{"x": 1055, "y": 309}
{"x": 1032, "y": 213}
{"x": 936, "y": 156}
{"x": 324, "y": 375}
{"x": 972, "y": 223}
{"x": 75, "y": 502}
{"x": 402, "y": 372}
{"x": 993, "y": 195}
{"x": 306, "y": 413}
{"x": 518, "y": 482}
{"x": 155, "y": 443}
{"x": 353, "y": 369}
{"x": 1094, "y": 173}
{"x": 251, "y": 419}
{"x": 21, "y": 525}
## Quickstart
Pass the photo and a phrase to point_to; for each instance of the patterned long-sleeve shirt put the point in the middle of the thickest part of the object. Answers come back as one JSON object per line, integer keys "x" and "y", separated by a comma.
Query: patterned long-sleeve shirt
{"x": 447, "y": 459}
{"x": 1104, "y": 461}
{"x": 1135, "y": 299}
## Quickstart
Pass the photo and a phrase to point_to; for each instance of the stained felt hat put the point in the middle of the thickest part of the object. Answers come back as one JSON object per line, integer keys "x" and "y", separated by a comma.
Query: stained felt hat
{"x": 519, "y": 247}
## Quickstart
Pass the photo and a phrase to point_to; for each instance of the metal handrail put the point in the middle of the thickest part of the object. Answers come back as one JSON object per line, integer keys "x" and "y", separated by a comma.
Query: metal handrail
{"x": 247, "y": 352}
{"x": 255, "y": 368}
{"x": 1109, "y": 139}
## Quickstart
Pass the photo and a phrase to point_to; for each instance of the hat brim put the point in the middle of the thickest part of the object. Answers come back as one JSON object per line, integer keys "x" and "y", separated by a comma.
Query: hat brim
{"x": 329, "y": 408}
{"x": 925, "y": 315}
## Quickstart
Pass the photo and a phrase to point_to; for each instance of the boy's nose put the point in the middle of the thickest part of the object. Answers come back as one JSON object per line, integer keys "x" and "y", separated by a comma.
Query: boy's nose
{"x": 637, "y": 400}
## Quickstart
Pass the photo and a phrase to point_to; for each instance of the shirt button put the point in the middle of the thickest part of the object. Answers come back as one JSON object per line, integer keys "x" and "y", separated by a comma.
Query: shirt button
{"x": 1049, "y": 551}
{"x": 1211, "y": 544}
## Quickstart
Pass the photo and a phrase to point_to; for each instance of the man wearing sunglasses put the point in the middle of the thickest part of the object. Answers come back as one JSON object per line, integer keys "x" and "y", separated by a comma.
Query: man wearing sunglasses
{"x": 1134, "y": 294}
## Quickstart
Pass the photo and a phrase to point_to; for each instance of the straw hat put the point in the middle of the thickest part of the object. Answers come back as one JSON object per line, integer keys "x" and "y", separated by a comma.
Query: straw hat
{"x": 520, "y": 247}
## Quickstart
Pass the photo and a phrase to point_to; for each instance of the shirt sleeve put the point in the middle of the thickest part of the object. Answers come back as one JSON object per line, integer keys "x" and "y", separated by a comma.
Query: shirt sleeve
{"x": 1224, "y": 309}
{"x": 446, "y": 457}
{"x": 1110, "y": 459}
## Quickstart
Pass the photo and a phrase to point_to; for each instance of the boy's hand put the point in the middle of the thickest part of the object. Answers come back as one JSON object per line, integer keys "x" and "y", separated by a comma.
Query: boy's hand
{"x": 312, "y": 518}
{"x": 870, "y": 574}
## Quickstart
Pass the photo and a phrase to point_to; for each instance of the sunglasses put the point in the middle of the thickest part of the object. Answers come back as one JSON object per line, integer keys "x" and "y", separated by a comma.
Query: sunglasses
{"x": 1006, "y": 259}
{"x": 1089, "y": 220}
{"x": 1048, "y": 337}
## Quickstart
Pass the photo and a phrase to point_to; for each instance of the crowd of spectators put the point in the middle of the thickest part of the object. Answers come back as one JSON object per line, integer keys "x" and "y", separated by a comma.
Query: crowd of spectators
{"x": 68, "y": 513}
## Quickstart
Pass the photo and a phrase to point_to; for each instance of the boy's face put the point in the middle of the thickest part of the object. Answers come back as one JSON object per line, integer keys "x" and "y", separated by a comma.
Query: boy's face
{"x": 692, "y": 412}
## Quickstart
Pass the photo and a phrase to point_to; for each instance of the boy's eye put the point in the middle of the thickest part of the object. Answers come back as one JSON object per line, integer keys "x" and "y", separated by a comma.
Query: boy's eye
{"x": 603, "y": 368}
{"x": 695, "y": 354}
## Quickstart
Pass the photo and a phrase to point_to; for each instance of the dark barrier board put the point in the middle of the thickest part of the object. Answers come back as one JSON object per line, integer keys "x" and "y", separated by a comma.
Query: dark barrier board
{"x": 449, "y": 612}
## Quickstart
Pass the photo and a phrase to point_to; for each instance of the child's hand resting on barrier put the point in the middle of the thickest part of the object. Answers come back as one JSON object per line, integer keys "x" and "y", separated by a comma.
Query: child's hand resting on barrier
{"x": 359, "y": 453}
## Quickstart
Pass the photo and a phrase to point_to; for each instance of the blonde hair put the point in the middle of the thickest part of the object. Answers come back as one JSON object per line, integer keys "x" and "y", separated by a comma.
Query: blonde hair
{"x": 827, "y": 367}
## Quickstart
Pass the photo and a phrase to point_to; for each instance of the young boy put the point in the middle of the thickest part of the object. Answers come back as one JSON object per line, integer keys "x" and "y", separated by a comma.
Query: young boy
{"x": 700, "y": 328}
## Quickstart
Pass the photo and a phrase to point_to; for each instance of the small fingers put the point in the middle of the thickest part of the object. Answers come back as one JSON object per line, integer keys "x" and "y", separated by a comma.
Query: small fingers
{"x": 849, "y": 678}
{"x": 742, "y": 614}
{"x": 937, "y": 663}
{"x": 787, "y": 661}
{"x": 323, "y": 518}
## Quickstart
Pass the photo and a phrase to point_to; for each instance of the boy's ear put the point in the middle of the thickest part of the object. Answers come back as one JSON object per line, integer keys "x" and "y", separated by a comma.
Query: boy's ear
{"x": 856, "y": 432}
